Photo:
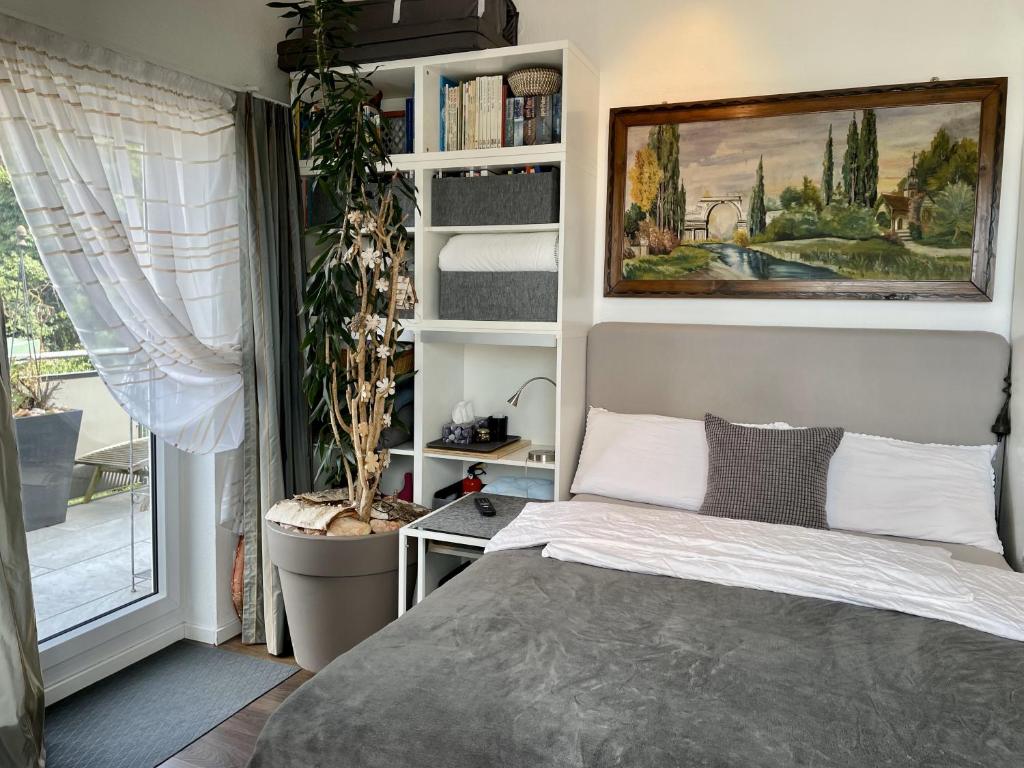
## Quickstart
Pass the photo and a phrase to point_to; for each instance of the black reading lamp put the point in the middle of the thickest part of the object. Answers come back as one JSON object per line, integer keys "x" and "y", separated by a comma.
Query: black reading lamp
{"x": 536, "y": 455}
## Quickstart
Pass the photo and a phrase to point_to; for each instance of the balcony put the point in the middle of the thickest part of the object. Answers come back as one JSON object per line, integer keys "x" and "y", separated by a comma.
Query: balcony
{"x": 95, "y": 555}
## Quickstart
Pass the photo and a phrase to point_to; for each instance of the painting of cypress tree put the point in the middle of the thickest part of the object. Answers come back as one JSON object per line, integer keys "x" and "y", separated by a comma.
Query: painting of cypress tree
{"x": 867, "y": 160}
{"x": 851, "y": 167}
{"x": 756, "y": 218}
{"x": 828, "y": 169}
{"x": 765, "y": 201}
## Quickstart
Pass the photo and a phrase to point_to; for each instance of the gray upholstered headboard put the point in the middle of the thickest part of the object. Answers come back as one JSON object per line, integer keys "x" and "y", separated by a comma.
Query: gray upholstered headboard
{"x": 926, "y": 386}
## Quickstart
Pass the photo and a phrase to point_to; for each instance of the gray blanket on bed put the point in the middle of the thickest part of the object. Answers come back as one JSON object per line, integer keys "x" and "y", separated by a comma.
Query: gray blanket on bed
{"x": 527, "y": 662}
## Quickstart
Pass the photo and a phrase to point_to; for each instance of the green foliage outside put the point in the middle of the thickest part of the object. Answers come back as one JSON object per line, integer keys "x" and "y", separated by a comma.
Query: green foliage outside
{"x": 58, "y": 366}
{"x": 876, "y": 259}
{"x": 44, "y": 320}
{"x": 683, "y": 261}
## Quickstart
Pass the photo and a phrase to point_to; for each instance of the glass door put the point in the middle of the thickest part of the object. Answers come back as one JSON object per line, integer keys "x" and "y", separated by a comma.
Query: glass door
{"x": 86, "y": 467}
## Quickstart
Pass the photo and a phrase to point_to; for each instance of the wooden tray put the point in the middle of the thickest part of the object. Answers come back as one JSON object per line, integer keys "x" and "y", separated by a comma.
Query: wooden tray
{"x": 480, "y": 451}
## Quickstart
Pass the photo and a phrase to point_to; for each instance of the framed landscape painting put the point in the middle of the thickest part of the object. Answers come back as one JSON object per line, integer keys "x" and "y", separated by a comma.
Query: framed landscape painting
{"x": 884, "y": 193}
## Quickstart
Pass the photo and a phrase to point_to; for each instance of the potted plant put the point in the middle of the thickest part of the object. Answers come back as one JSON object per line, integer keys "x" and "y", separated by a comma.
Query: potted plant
{"x": 337, "y": 551}
{"x": 47, "y": 437}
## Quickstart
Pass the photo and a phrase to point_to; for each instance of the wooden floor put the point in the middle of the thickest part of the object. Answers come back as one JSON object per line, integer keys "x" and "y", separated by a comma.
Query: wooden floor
{"x": 230, "y": 744}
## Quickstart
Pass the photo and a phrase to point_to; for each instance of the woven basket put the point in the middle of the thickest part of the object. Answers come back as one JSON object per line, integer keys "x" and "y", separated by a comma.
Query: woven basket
{"x": 535, "y": 81}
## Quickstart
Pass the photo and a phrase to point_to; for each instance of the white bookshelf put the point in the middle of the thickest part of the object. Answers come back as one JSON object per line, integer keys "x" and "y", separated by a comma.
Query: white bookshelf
{"x": 485, "y": 362}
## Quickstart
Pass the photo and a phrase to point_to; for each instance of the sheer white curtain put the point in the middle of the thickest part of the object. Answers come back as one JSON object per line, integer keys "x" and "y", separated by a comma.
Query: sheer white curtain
{"x": 127, "y": 175}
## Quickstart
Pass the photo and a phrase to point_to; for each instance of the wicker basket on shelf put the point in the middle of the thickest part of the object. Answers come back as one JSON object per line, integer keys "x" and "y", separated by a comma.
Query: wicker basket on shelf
{"x": 535, "y": 81}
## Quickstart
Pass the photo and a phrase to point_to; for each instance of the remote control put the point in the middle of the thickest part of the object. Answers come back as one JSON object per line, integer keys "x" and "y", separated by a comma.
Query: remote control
{"x": 484, "y": 506}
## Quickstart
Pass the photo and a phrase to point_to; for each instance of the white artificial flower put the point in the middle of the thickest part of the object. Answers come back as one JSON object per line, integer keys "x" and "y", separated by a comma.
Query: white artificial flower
{"x": 383, "y": 285}
{"x": 371, "y": 462}
{"x": 373, "y": 323}
{"x": 385, "y": 387}
{"x": 383, "y": 351}
{"x": 387, "y": 419}
{"x": 355, "y": 218}
{"x": 370, "y": 258}
{"x": 364, "y": 390}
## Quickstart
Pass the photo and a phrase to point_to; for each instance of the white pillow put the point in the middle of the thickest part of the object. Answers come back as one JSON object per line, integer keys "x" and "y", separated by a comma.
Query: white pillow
{"x": 918, "y": 491}
{"x": 652, "y": 459}
{"x": 642, "y": 457}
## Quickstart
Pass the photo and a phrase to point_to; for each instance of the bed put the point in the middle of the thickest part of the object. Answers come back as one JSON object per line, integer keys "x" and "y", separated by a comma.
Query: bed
{"x": 566, "y": 650}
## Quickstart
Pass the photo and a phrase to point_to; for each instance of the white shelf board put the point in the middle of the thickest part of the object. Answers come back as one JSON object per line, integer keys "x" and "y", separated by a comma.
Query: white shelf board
{"x": 402, "y": 162}
{"x": 494, "y": 229}
{"x": 541, "y": 154}
{"x": 500, "y": 156}
{"x": 514, "y": 459}
{"x": 482, "y": 326}
{"x": 405, "y": 449}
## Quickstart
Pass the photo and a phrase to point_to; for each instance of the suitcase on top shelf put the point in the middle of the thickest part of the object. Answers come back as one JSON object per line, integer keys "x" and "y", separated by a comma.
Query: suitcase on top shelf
{"x": 404, "y": 29}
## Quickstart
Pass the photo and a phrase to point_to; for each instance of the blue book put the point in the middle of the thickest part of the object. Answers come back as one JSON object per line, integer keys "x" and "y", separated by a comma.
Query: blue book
{"x": 518, "y": 104}
{"x": 544, "y": 124}
{"x": 556, "y": 117}
{"x": 446, "y": 83}
{"x": 410, "y": 104}
{"x": 509, "y": 138}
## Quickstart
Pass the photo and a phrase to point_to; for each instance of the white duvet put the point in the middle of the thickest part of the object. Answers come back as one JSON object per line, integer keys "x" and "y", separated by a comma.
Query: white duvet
{"x": 915, "y": 579}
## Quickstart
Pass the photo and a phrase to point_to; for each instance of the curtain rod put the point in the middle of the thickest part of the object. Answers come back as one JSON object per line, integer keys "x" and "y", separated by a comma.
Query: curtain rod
{"x": 255, "y": 91}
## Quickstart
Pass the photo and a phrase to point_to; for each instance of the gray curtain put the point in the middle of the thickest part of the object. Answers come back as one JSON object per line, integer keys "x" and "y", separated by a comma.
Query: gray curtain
{"x": 277, "y": 452}
{"x": 21, "y": 682}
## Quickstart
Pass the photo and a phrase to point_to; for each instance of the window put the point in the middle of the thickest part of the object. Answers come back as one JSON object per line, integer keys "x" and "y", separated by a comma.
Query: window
{"x": 85, "y": 465}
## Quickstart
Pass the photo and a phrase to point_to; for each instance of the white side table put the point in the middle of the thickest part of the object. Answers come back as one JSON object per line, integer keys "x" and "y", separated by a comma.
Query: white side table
{"x": 455, "y": 530}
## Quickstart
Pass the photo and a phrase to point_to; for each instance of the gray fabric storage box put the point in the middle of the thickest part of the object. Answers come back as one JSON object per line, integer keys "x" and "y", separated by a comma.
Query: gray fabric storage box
{"x": 500, "y": 296}
{"x": 523, "y": 198}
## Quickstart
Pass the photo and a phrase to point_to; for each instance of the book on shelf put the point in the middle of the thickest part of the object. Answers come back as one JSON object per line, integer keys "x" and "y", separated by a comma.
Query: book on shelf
{"x": 543, "y": 120}
{"x": 529, "y": 121}
{"x": 482, "y": 114}
{"x": 556, "y": 117}
{"x": 410, "y": 105}
{"x": 517, "y": 121}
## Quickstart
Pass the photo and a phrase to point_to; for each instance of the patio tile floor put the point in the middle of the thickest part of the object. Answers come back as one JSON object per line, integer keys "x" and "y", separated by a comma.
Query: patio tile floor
{"x": 82, "y": 567}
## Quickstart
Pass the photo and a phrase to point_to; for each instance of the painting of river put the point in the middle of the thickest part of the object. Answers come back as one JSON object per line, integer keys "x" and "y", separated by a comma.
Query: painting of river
{"x": 886, "y": 193}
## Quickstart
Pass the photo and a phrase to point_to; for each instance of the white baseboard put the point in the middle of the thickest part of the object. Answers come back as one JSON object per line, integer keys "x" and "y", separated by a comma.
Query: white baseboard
{"x": 76, "y": 682}
{"x": 213, "y": 635}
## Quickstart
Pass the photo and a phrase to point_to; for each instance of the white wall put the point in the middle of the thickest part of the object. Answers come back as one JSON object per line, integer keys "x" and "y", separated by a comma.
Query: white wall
{"x": 228, "y": 42}
{"x": 651, "y": 51}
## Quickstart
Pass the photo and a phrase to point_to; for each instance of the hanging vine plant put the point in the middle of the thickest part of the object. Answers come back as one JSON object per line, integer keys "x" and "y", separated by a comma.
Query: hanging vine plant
{"x": 359, "y": 279}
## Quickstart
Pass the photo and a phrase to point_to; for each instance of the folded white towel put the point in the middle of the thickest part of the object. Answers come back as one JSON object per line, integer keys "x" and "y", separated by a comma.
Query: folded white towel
{"x": 522, "y": 252}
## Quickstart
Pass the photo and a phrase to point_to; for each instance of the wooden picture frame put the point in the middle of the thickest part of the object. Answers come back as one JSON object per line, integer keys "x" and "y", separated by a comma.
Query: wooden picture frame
{"x": 938, "y": 247}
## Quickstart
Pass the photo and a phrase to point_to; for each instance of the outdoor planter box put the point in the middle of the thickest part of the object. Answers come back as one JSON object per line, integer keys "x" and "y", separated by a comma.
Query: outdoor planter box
{"x": 522, "y": 198}
{"x": 46, "y": 458}
{"x": 499, "y": 296}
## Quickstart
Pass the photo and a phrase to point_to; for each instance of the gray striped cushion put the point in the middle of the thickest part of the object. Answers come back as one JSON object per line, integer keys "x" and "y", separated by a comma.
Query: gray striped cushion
{"x": 768, "y": 475}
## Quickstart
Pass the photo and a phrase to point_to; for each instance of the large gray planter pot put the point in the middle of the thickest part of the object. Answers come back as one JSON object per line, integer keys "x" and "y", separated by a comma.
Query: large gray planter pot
{"x": 338, "y": 590}
{"x": 46, "y": 458}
